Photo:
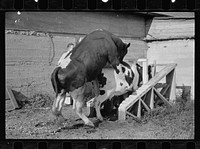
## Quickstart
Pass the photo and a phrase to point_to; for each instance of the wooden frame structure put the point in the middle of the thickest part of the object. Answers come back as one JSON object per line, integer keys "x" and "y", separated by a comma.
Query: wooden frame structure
{"x": 151, "y": 93}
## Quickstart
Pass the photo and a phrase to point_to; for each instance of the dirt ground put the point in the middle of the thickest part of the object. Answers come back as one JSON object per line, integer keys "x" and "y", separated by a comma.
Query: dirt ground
{"x": 35, "y": 121}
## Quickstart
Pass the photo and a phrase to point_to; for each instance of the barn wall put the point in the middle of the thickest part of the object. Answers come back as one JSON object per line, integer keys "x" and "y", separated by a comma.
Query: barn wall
{"x": 30, "y": 55}
{"x": 30, "y": 59}
{"x": 122, "y": 24}
{"x": 173, "y": 42}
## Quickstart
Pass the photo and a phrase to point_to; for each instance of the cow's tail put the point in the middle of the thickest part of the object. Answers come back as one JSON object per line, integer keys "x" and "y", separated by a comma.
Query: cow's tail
{"x": 55, "y": 81}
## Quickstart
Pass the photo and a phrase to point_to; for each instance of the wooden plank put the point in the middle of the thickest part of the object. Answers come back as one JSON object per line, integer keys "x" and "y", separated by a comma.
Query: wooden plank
{"x": 162, "y": 97}
{"x": 152, "y": 99}
{"x": 133, "y": 116}
{"x": 160, "y": 85}
{"x": 12, "y": 97}
{"x": 139, "y": 109}
{"x": 172, "y": 96}
{"x": 164, "y": 89}
{"x": 140, "y": 92}
{"x": 144, "y": 70}
{"x": 154, "y": 68}
{"x": 122, "y": 113}
{"x": 148, "y": 109}
{"x": 170, "y": 79}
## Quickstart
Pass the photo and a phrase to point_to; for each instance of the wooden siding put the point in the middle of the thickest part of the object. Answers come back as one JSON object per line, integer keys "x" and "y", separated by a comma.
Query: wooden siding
{"x": 171, "y": 40}
{"x": 122, "y": 24}
{"x": 27, "y": 61}
{"x": 170, "y": 29}
{"x": 175, "y": 51}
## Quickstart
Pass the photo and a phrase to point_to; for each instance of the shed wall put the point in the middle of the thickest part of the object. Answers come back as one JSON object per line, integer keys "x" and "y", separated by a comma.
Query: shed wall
{"x": 30, "y": 60}
{"x": 173, "y": 42}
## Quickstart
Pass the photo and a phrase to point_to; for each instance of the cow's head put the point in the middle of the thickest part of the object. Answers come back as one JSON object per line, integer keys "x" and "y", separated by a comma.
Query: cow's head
{"x": 123, "y": 51}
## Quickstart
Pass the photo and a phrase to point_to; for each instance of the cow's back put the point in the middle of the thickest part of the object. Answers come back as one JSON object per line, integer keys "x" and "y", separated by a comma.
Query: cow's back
{"x": 113, "y": 84}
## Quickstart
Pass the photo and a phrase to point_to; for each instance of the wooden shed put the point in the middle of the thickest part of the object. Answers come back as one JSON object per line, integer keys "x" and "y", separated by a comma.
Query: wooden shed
{"x": 36, "y": 40}
{"x": 171, "y": 40}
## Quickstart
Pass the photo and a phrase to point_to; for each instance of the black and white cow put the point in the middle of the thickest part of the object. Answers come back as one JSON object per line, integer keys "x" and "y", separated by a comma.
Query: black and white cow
{"x": 84, "y": 63}
{"x": 113, "y": 83}
{"x": 116, "y": 87}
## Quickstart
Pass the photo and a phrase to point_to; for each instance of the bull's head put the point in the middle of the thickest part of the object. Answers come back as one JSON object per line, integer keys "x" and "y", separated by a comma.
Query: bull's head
{"x": 123, "y": 51}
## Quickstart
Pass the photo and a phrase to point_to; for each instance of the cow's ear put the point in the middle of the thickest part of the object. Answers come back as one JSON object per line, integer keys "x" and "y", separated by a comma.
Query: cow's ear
{"x": 128, "y": 45}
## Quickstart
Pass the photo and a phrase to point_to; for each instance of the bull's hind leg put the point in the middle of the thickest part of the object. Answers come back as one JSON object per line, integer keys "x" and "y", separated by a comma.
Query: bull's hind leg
{"x": 79, "y": 106}
{"x": 78, "y": 97}
{"x": 96, "y": 87}
{"x": 57, "y": 105}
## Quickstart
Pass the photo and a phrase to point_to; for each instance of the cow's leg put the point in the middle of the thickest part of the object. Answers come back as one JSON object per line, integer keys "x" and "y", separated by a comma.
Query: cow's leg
{"x": 79, "y": 106}
{"x": 98, "y": 101}
{"x": 57, "y": 105}
{"x": 78, "y": 103}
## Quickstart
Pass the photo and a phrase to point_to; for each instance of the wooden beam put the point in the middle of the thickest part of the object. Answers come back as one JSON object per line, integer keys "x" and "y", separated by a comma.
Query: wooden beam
{"x": 160, "y": 85}
{"x": 164, "y": 89}
{"x": 145, "y": 71}
{"x": 152, "y": 99}
{"x": 171, "y": 79}
{"x": 139, "y": 109}
{"x": 148, "y": 109}
{"x": 12, "y": 98}
{"x": 154, "y": 69}
{"x": 162, "y": 97}
{"x": 135, "y": 117}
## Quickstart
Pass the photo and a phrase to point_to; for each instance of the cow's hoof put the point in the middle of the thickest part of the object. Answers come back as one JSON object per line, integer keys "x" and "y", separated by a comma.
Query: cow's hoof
{"x": 90, "y": 124}
{"x": 100, "y": 118}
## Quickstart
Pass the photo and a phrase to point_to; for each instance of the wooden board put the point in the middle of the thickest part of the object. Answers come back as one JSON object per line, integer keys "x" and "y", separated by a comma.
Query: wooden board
{"x": 12, "y": 100}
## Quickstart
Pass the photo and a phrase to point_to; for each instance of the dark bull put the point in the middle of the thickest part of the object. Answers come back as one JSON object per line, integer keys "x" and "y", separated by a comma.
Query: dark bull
{"x": 85, "y": 63}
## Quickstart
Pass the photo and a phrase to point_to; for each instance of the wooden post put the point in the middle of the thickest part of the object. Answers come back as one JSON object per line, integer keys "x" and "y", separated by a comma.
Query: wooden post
{"x": 144, "y": 70}
{"x": 121, "y": 113}
{"x": 139, "y": 109}
{"x": 171, "y": 80}
{"x": 152, "y": 99}
{"x": 153, "y": 73}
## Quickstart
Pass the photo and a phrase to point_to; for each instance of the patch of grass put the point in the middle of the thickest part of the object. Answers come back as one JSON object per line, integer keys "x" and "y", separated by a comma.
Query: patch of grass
{"x": 39, "y": 100}
{"x": 178, "y": 120}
